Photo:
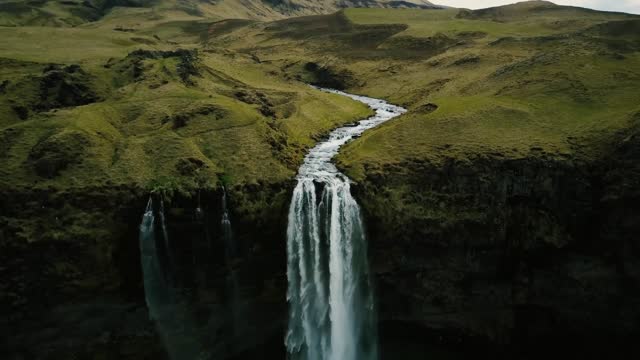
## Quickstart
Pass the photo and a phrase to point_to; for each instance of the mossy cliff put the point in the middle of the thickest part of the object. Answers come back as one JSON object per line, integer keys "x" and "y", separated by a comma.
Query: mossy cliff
{"x": 71, "y": 264}
{"x": 526, "y": 255}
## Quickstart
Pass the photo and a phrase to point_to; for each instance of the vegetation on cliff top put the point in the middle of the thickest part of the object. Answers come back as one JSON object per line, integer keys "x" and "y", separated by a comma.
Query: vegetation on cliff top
{"x": 65, "y": 13}
{"x": 118, "y": 108}
{"x": 527, "y": 80}
{"x": 521, "y": 80}
{"x": 168, "y": 101}
{"x": 186, "y": 99}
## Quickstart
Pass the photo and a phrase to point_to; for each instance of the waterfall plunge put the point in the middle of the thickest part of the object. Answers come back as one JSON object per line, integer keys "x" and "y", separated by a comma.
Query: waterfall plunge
{"x": 331, "y": 307}
{"x": 157, "y": 292}
{"x": 227, "y": 232}
{"x": 233, "y": 282}
{"x": 166, "y": 309}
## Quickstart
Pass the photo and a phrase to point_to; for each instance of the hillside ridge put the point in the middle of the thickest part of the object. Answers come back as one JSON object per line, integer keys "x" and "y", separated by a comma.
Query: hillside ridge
{"x": 63, "y": 13}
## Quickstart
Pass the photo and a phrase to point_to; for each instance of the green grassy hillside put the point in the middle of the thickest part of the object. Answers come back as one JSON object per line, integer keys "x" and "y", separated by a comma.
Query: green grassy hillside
{"x": 65, "y": 13}
{"x": 154, "y": 94}
{"x": 92, "y": 106}
{"x": 520, "y": 80}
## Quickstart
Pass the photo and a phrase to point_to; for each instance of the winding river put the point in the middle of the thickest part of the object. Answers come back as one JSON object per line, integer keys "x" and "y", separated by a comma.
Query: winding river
{"x": 331, "y": 304}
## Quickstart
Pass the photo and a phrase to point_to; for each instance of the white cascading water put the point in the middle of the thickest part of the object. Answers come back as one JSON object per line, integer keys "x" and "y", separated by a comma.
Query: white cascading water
{"x": 227, "y": 232}
{"x": 233, "y": 284}
{"x": 155, "y": 286}
{"x": 166, "y": 309}
{"x": 167, "y": 246}
{"x": 331, "y": 305}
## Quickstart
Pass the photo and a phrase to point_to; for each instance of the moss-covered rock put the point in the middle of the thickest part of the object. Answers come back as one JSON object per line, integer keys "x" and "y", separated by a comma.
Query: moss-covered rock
{"x": 56, "y": 152}
{"x": 64, "y": 86}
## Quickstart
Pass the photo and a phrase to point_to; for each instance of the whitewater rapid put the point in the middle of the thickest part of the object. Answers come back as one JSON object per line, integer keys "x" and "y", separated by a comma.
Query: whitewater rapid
{"x": 331, "y": 303}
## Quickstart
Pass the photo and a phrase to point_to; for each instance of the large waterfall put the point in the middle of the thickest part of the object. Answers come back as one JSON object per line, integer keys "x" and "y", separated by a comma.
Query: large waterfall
{"x": 331, "y": 305}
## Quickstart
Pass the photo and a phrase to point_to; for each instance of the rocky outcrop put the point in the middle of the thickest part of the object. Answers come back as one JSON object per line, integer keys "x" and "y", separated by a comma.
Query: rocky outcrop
{"x": 48, "y": 87}
{"x": 56, "y": 152}
{"x": 65, "y": 86}
{"x": 133, "y": 64}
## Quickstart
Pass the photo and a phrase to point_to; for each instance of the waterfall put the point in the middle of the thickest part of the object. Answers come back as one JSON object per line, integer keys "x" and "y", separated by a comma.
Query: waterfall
{"x": 227, "y": 233}
{"x": 155, "y": 286}
{"x": 166, "y": 253}
{"x": 330, "y": 295}
{"x": 166, "y": 309}
{"x": 233, "y": 283}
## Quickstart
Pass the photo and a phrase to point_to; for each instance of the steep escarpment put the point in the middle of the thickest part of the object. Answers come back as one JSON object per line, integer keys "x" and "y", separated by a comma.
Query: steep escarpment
{"x": 532, "y": 254}
{"x": 73, "y": 282}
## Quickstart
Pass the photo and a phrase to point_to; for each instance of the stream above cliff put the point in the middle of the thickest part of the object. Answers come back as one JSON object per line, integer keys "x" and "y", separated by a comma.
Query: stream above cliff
{"x": 512, "y": 258}
{"x": 330, "y": 295}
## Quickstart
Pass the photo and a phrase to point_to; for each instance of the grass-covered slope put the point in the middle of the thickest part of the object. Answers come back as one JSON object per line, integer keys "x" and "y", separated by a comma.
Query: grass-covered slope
{"x": 116, "y": 107}
{"x": 65, "y": 13}
{"x": 554, "y": 80}
{"x": 530, "y": 77}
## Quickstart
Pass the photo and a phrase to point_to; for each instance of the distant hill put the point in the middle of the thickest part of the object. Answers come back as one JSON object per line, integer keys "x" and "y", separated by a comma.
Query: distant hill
{"x": 76, "y": 12}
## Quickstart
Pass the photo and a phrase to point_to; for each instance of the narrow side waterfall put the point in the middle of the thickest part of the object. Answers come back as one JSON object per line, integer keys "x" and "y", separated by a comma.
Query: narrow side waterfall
{"x": 233, "y": 283}
{"x": 331, "y": 304}
{"x": 227, "y": 232}
{"x": 166, "y": 308}
{"x": 155, "y": 285}
{"x": 167, "y": 246}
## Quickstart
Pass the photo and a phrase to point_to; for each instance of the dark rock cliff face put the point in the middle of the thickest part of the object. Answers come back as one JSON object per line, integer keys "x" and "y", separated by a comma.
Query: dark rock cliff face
{"x": 509, "y": 257}
{"x": 72, "y": 276}
{"x": 519, "y": 257}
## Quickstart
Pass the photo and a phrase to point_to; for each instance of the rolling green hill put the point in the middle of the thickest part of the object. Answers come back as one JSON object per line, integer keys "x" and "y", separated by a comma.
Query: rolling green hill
{"x": 117, "y": 108}
{"x": 516, "y": 80}
{"x": 77, "y": 12}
